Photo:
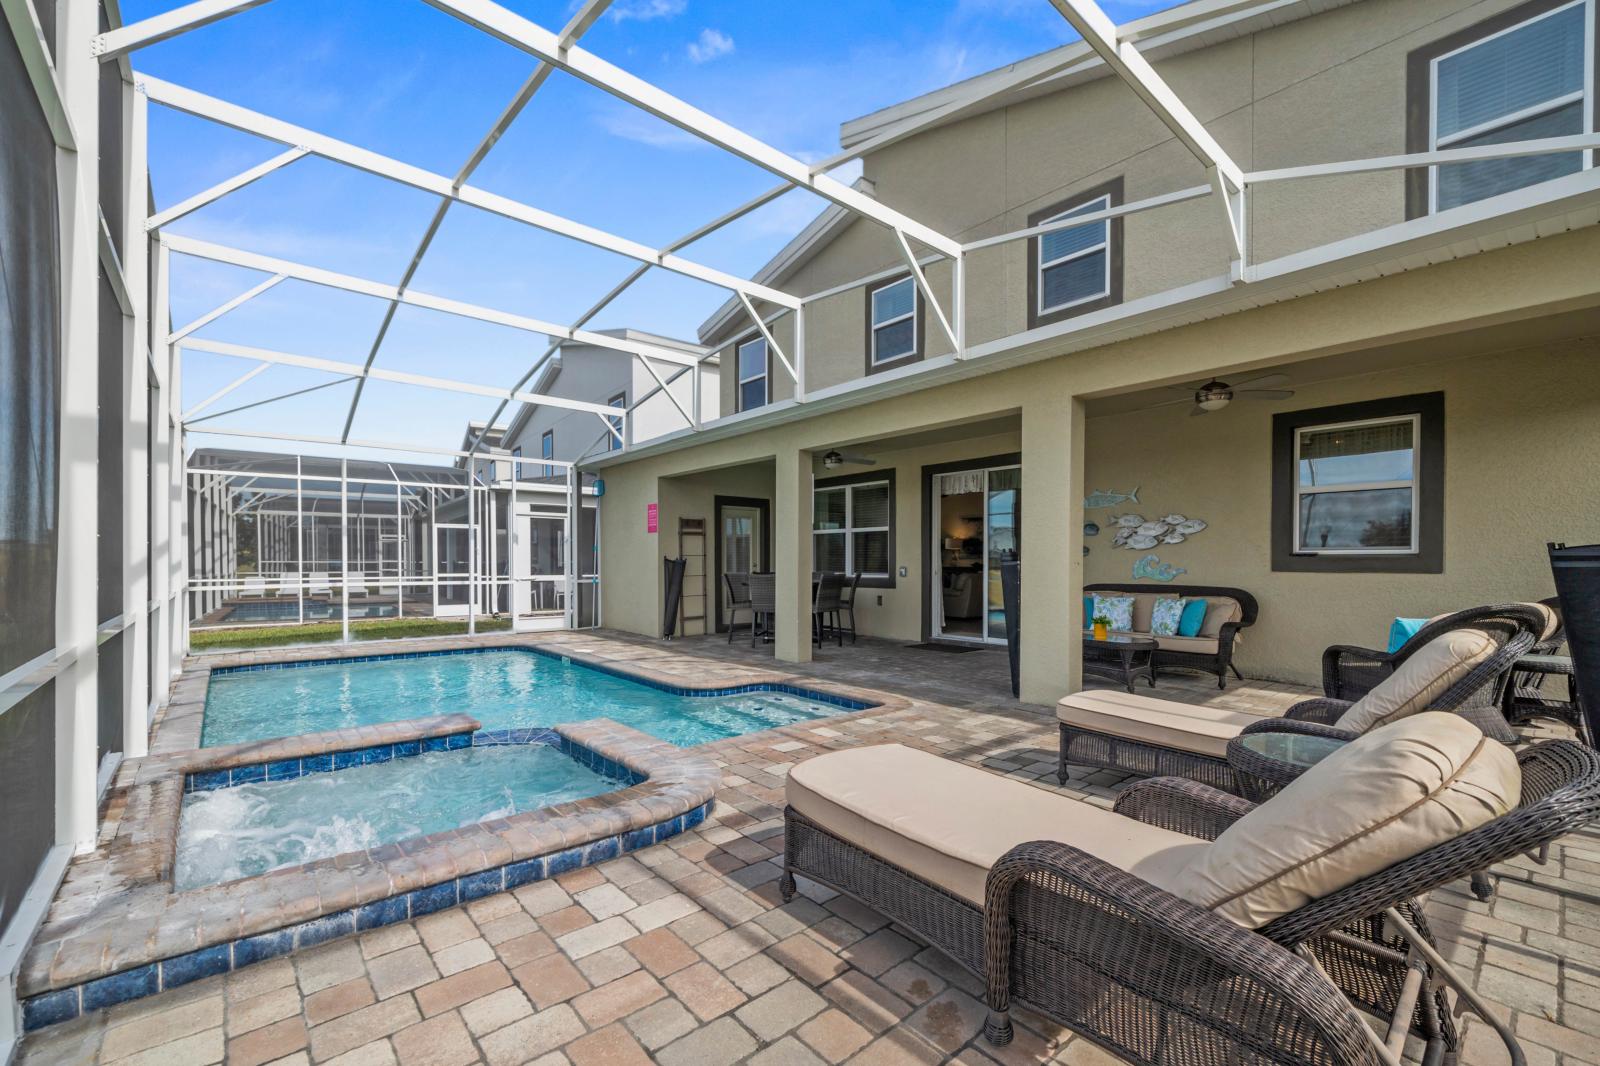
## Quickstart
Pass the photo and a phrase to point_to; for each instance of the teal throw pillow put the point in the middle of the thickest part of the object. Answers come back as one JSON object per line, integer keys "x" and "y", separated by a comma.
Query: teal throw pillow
{"x": 1194, "y": 616}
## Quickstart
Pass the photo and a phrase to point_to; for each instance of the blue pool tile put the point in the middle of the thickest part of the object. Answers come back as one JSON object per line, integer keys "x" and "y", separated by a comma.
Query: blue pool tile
{"x": 562, "y": 861}
{"x": 317, "y": 764}
{"x": 244, "y": 775}
{"x": 694, "y": 817}
{"x": 524, "y": 873}
{"x": 381, "y": 753}
{"x": 343, "y": 760}
{"x": 634, "y": 839}
{"x": 407, "y": 748}
{"x": 283, "y": 771}
{"x": 207, "y": 962}
{"x": 478, "y": 885}
{"x": 260, "y": 948}
{"x": 601, "y": 850}
{"x": 433, "y": 898}
{"x": 50, "y": 1008}
{"x": 209, "y": 780}
{"x": 383, "y": 912}
{"x": 435, "y": 743}
{"x": 329, "y": 926}
{"x": 121, "y": 987}
{"x": 459, "y": 740}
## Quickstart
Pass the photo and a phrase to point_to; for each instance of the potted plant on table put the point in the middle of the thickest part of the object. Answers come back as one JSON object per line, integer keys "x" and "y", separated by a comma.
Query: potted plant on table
{"x": 1102, "y": 626}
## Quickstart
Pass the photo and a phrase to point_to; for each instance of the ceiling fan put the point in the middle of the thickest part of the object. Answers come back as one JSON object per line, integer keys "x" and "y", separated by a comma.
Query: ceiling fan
{"x": 834, "y": 459}
{"x": 1214, "y": 395}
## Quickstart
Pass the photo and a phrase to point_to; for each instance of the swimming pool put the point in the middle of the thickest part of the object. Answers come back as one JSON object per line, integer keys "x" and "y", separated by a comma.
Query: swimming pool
{"x": 229, "y": 833}
{"x": 512, "y": 688}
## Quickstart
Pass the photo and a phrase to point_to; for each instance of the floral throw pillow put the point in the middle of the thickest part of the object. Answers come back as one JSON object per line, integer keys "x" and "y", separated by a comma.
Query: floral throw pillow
{"x": 1165, "y": 615}
{"x": 1117, "y": 608}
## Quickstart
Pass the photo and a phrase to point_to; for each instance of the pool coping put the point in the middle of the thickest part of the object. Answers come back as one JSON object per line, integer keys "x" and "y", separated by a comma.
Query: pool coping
{"x": 118, "y": 930}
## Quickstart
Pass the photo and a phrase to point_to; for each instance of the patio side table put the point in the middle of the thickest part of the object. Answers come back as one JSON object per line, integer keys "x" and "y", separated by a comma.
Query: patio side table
{"x": 1264, "y": 763}
{"x": 1120, "y": 659}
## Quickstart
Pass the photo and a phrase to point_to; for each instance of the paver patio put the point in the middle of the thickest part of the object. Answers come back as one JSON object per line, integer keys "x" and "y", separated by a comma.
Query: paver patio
{"x": 683, "y": 953}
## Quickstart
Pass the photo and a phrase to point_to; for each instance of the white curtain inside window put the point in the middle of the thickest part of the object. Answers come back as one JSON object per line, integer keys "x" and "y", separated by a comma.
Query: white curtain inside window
{"x": 961, "y": 483}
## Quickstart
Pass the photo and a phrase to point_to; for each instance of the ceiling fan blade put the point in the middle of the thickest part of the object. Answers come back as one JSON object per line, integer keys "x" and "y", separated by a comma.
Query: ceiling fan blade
{"x": 1167, "y": 403}
{"x": 1264, "y": 394}
{"x": 1264, "y": 379}
{"x": 1183, "y": 388}
{"x": 1197, "y": 410}
{"x": 859, "y": 460}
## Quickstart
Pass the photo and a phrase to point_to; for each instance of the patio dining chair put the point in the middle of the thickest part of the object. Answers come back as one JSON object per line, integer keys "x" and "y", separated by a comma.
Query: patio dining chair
{"x": 763, "y": 606}
{"x": 825, "y": 606}
{"x": 1461, "y": 668}
{"x": 1187, "y": 925}
{"x": 738, "y": 600}
{"x": 847, "y": 604}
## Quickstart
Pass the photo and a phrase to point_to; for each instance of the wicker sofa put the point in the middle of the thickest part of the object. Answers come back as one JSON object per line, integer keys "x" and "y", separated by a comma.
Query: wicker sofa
{"x": 1058, "y": 905}
{"x": 1228, "y": 611}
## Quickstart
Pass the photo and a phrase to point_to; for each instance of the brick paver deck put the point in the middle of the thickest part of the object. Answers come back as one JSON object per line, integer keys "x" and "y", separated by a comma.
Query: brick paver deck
{"x": 683, "y": 954}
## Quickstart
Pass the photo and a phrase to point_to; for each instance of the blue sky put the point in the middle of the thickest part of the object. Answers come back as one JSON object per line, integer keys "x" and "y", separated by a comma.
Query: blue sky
{"x": 399, "y": 77}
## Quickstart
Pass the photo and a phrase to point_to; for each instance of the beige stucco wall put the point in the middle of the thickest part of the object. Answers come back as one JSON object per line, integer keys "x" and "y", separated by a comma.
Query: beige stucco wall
{"x": 1521, "y": 448}
{"x": 1516, "y": 283}
{"x": 1319, "y": 89}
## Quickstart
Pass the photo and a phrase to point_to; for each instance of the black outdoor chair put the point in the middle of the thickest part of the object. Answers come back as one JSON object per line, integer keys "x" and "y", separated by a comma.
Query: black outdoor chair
{"x": 763, "y": 606}
{"x": 847, "y": 604}
{"x": 825, "y": 607}
{"x": 738, "y": 600}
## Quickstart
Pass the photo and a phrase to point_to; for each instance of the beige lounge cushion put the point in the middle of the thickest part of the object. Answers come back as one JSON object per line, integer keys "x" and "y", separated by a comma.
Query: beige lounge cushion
{"x": 1380, "y": 799}
{"x": 948, "y": 823}
{"x": 1421, "y": 679}
{"x": 1552, "y": 620}
{"x": 1202, "y": 645}
{"x": 1197, "y": 728}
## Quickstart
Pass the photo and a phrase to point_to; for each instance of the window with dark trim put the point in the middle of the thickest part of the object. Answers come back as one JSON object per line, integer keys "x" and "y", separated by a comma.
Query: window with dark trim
{"x": 620, "y": 400}
{"x": 894, "y": 323}
{"x": 1075, "y": 269}
{"x": 1527, "y": 73}
{"x": 516, "y": 463}
{"x": 547, "y": 450}
{"x": 1360, "y": 487}
{"x": 852, "y": 527}
{"x": 752, "y": 371}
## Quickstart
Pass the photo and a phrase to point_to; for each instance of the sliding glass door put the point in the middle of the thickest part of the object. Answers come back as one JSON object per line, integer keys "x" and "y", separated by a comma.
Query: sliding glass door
{"x": 976, "y": 526}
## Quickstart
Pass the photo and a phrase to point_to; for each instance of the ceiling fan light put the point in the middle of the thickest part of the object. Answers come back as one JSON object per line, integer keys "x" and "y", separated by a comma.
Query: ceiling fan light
{"x": 1214, "y": 401}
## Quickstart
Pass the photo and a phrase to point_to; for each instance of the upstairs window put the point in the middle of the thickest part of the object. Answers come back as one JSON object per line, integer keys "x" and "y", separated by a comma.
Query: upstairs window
{"x": 620, "y": 401}
{"x": 1075, "y": 269}
{"x": 894, "y": 332}
{"x": 1525, "y": 75}
{"x": 516, "y": 463}
{"x": 547, "y": 450}
{"x": 752, "y": 383}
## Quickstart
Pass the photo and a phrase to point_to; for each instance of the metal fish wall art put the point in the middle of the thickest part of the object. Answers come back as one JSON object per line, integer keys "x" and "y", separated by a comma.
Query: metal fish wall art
{"x": 1128, "y": 521}
{"x": 1107, "y": 498}
{"x": 1090, "y": 529}
{"x": 1152, "y": 567}
{"x": 1134, "y": 532}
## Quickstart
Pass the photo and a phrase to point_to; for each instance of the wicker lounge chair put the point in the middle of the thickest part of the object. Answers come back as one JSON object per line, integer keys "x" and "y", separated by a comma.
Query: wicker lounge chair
{"x": 1463, "y": 670}
{"x": 1093, "y": 926}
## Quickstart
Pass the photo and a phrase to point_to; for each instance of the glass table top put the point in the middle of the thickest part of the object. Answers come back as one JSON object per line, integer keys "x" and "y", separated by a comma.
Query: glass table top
{"x": 1296, "y": 749}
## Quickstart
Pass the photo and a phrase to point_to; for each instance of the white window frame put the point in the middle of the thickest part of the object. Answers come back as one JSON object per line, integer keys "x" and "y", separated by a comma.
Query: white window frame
{"x": 850, "y": 529}
{"x": 741, "y": 382}
{"x": 1435, "y": 142}
{"x": 547, "y": 450}
{"x": 1099, "y": 203}
{"x": 875, "y": 326}
{"x": 516, "y": 463}
{"x": 619, "y": 401}
{"x": 1415, "y": 485}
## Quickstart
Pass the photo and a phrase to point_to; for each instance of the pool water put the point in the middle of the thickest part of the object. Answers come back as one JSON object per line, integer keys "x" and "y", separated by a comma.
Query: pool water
{"x": 508, "y": 689}
{"x": 249, "y": 829}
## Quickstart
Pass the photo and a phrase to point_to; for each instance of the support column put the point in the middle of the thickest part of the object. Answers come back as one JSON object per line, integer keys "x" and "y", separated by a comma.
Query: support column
{"x": 136, "y": 545}
{"x": 77, "y": 176}
{"x": 1052, "y": 548}
{"x": 791, "y": 555}
{"x": 161, "y": 548}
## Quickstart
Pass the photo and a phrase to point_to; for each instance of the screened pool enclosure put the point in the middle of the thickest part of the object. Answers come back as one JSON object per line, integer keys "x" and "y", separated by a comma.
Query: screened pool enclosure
{"x": 284, "y": 540}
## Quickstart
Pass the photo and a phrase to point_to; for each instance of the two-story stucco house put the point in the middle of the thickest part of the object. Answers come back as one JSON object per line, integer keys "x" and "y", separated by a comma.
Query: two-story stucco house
{"x": 1414, "y": 351}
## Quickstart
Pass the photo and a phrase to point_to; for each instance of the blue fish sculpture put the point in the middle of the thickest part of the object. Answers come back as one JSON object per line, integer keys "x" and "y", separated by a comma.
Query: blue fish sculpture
{"x": 1105, "y": 498}
{"x": 1152, "y": 567}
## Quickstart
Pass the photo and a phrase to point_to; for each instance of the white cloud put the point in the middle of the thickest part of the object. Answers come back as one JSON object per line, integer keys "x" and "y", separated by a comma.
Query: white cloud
{"x": 634, "y": 125}
{"x": 711, "y": 44}
{"x": 648, "y": 10}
